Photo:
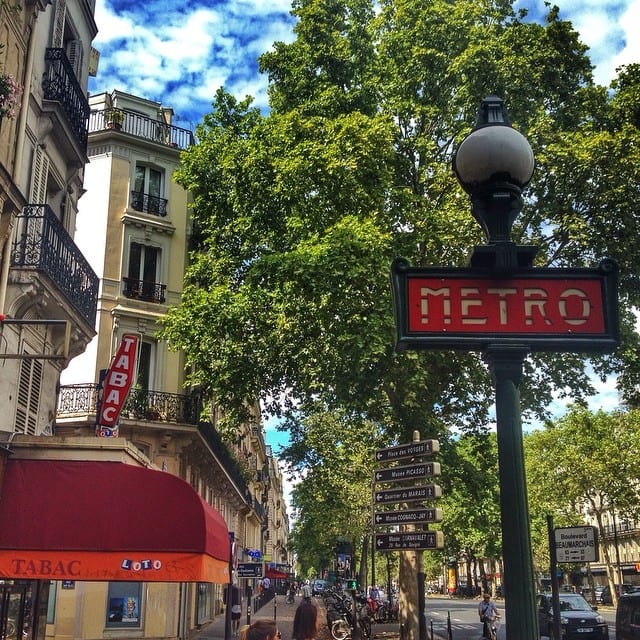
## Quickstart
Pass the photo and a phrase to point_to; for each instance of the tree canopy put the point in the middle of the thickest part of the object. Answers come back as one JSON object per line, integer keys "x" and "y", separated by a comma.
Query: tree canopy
{"x": 299, "y": 212}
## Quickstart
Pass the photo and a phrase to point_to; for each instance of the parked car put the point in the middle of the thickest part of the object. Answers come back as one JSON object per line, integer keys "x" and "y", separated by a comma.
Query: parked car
{"x": 578, "y": 619}
{"x": 318, "y": 586}
{"x": 628, "y": 617}
{"x": 621, "y": 589}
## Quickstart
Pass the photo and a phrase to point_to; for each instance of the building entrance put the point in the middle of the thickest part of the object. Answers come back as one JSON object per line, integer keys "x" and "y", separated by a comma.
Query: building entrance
{"x": 16, "y": 614}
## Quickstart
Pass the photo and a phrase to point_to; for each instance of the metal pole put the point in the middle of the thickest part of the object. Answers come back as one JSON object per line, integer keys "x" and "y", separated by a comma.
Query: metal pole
{"x": 249, "y": 597}
{"x": 506, "y": 362}
{"x": 553, "y": 571}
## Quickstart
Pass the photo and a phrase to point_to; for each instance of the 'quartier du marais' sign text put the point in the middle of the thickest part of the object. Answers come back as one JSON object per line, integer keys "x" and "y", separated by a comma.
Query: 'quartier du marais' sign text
{"x": 539, "y": 309}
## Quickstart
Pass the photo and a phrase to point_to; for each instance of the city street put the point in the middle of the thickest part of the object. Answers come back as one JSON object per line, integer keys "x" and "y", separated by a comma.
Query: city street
{"x": 463, "y": 616}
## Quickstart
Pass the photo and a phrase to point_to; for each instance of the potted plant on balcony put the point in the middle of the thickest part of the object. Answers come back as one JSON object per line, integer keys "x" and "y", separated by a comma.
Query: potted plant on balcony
{"x": 114, "y": 118}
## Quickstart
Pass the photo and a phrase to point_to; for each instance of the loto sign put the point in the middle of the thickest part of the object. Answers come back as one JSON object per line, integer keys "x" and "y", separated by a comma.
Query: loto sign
{"x": 470, "y": 308}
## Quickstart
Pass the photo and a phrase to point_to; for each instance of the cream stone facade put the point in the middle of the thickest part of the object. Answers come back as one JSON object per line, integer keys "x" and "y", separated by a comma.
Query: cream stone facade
{"x": 94, "y": 239}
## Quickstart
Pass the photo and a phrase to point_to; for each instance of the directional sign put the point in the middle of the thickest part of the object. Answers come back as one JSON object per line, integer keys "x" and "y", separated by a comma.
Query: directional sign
{"x": 405, "y": 541}
{"x": 409, "y": 516}
{"x": 249, "y": 569}
{"x": 411, "y": 472}
{"x": 576, "y": 544}
{"x": 408, "y": 494}
{"x": 424, "y": 447}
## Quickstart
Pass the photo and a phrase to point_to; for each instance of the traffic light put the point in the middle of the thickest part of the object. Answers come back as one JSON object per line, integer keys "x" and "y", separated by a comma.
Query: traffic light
{"x": 351, "y": 585}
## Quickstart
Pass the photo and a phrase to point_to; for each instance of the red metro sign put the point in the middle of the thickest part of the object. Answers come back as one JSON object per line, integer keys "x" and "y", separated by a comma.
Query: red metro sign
{"x": 539, "y": 309}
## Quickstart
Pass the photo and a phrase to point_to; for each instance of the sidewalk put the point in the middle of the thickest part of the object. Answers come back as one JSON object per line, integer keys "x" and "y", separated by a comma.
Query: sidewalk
{"x": 283, "y": 613}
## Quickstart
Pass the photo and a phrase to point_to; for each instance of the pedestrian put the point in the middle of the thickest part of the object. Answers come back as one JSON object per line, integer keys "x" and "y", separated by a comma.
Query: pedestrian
{"x": 236, "y": 610}
{"x": 262, "y": 629}
{"x": 305, "y": 621}
{"x": 306, "y": 591}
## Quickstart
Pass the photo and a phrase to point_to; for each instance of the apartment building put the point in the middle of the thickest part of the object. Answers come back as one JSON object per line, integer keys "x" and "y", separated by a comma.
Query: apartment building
{"x": 48, "y": 291}
{"x": 134, "y": 226}
{"x": 88, "y": 255}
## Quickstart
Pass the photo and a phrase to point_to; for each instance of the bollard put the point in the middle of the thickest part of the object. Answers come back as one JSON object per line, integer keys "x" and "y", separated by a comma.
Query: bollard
{"x": 449, "y": 630}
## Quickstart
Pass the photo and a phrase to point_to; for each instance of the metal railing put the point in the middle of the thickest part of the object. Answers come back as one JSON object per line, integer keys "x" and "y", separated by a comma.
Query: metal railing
{"x": 61, "y": 85}
{"x": 144, "y": 290}
{"x": 42, "y": 243}
{"x": 141, "y": 126}
{"x": 147, "y": 203}
{"x": 141, "y": 404}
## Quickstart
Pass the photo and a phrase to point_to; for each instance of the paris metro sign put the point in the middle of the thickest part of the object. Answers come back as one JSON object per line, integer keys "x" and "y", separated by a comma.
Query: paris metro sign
{"x": 542, "y": 309}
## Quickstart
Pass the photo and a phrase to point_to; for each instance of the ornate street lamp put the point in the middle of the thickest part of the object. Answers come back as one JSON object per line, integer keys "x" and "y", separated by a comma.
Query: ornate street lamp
{"x": 493, "y": 164}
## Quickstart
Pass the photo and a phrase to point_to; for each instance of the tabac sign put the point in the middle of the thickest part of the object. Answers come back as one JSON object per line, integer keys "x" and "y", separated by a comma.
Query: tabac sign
{"x": 540, "y": 309}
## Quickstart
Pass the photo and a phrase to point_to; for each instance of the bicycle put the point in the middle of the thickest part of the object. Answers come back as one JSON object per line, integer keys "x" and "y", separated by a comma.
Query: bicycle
{"x": 490, "y": 628}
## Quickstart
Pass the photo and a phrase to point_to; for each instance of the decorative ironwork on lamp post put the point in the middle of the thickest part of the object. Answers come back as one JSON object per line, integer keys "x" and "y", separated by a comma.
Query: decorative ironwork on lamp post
{"x": 493, "y": 164}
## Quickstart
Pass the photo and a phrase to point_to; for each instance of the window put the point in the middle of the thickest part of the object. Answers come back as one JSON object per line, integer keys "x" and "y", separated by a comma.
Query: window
{"x": 142, "y": 274}
{"x": 148, "y": 188}
{"x": 123, "y": 604}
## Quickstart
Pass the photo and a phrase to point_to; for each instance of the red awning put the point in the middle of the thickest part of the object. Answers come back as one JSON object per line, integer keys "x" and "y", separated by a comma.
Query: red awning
{"x": 274, "y": 573}
{"x": 86, "y": 520}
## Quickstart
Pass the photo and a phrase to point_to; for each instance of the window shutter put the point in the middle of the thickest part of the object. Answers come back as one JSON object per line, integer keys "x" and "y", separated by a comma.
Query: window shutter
{"x": 28, "y": 396}
{"x": 74, "y": 54}
{"x": 39, "y": 176}
{"x": 57, "y": 38}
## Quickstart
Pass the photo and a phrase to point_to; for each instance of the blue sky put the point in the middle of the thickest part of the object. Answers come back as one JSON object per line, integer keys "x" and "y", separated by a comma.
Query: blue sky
{"x": 180, "y": 52}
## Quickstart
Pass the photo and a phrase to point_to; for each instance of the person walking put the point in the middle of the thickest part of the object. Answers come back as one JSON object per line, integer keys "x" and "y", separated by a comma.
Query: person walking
{"x": 236, "y": 610}
{"x": 305, "y": 621}
{"x": 306, "y": 591}
{"x": 488, "y": 613}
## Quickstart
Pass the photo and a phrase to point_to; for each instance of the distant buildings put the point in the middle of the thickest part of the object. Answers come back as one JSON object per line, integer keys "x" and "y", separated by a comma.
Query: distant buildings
{"x": 94, "y": 239}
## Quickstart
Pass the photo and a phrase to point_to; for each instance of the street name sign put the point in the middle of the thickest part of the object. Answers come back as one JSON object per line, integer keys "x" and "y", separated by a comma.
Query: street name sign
{"x": 576, "y": 544}
{"x": 410, "y": 472}
{"x": 540, "y": 309}
{"x": 406, "y": 516}
{"x": 409, "y": 494}
{"x": 249, "y": 570}
{"x": 406, "y": 541}
{"x": 421, "y": 448}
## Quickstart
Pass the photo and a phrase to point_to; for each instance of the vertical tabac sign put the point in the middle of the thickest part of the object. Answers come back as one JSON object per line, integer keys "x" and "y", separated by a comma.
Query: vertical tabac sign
{"x": 116, "y": 385}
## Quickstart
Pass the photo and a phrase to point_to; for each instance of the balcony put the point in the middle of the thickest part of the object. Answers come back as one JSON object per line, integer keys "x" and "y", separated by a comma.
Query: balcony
{"x": 146, "y": 203}
{"x": 140, "y": 126}
{"x": 142, "y": 404}
{"x": 144, "y": 290}
{"x": 43, "y": 244}
{"x": 61, "y": 85}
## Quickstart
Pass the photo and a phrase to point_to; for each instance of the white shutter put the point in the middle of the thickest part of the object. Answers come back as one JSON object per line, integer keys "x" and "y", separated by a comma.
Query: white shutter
{"x": 28, "y": 396}
{"x": 57, "y": 38}
{"x": 74, "y": 54}
{"x": 39, "y": 177}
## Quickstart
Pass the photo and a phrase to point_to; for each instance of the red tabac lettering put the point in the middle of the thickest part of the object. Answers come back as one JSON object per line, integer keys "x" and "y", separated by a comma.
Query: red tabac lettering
{"x": 43, "y": 567}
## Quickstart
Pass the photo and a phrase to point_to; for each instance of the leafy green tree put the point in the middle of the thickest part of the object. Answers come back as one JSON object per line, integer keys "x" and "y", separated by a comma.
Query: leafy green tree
{"x": 585, "y": 460}
{"x": 298, "y": 214}
{"x": 471, "y": 500}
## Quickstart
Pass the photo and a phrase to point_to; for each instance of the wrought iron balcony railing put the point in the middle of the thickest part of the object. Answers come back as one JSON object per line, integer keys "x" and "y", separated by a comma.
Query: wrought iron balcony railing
{"x": 147, "y": 203}
{"x": 144, "y": 290}
{"x": 61, "y": 85}
{"x": 42, "y": 243}
{"x": 141, "y": 126}
{"x": 142, "y": 404}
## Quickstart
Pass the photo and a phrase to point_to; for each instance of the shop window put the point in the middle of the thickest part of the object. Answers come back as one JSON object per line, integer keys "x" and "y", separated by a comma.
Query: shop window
{"x": 123, "y": 604}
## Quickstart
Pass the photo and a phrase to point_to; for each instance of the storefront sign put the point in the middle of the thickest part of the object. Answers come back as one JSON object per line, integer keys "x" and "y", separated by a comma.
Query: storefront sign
{"x": 117, "y": 383}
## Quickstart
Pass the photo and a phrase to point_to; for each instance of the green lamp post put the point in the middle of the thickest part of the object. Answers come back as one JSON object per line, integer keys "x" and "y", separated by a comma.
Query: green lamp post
{"x": 493, "y": 164}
